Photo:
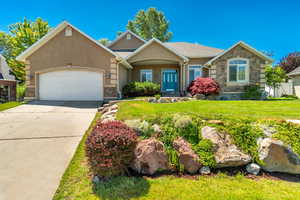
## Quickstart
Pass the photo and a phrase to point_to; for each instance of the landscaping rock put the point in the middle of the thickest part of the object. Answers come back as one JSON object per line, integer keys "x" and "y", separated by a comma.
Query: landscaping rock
{"x": 114, "y": 107}
{"x": 156, "y": 128}
{"x": 253, "y": 168}
{"x": 108, "y": 119}
{"x": 134, "y": 124}
{"x": 199, "y": 96}
{"x": 173, "y": 100}
{"x": 226, "y": 153}
{"x": 152, "y": 100}
{"x": 204, "y": 170}
{"x": 96, "y": 180}
{"x": 267, "y": 130}
{"x": 150, "y": 157}
{"x": 187, "y": 157}
{"x": 218, "y": 122}
{"x": 278, "y": 157}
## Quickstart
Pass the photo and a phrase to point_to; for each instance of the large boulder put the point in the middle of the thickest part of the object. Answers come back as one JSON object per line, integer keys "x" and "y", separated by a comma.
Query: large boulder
{"x": 226, "y": 153}
{"x": 150, "y": 157}
{"x": 187, "y": 157}
{"x": 278, "y": 157}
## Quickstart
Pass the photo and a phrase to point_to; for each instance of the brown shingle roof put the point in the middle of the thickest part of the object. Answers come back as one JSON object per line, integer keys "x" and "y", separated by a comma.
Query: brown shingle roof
{"x": 192, "y": 50}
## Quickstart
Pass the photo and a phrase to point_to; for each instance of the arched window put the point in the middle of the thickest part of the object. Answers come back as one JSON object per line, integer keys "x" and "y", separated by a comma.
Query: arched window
{"x": 238, "y": 70}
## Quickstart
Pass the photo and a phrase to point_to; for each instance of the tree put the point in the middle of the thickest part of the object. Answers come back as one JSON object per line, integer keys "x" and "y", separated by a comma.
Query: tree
{"x": 290, "y": 62}
{"x": 274, "y": 76}
{"x": 150, "y": 24}
{"x": 104, "y": 41}
{"x": 205, "y": 86}
{"x": 21, "y": 35}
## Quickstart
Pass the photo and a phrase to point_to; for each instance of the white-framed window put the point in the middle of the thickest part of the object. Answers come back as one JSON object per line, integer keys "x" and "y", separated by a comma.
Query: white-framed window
{"x": 238, "y": 70}
{"x": 195, "y": 71}
{"x": 146, "y": 75}
{"x": 128, "y": 36}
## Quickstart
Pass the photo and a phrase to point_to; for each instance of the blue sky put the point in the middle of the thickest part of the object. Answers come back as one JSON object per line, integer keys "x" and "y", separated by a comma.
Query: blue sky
{"x": 271, "y": 25}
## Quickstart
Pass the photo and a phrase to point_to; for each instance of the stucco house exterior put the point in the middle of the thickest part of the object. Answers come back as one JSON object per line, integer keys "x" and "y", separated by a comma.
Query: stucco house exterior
{"x": 67, "y": 64}
{"x": 295, "y": 75}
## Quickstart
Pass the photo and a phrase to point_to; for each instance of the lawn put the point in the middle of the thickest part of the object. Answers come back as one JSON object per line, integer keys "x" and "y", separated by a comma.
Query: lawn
{"x": 76, "y": 182}
{"x": 254, "y": 109}
{"x": 8, "y": 105}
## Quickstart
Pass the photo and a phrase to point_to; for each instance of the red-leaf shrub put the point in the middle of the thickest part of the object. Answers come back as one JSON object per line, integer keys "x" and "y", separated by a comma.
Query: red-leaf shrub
{"x": 110, "y": 148}
{"x": 206, "y": 86}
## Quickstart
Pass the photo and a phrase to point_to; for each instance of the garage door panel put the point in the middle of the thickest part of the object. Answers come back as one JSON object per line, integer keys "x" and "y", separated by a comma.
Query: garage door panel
{"x": 71, "y": 86}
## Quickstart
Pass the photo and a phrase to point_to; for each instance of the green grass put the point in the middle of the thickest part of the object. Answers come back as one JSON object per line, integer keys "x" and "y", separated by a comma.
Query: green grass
{"x": 254, "y": 109}
{"x": 76, "y": 182}
{"x": 8, "y": 105}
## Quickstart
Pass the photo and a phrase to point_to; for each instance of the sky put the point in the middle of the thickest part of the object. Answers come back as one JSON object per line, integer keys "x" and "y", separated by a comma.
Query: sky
{"x": 267, "y": 25}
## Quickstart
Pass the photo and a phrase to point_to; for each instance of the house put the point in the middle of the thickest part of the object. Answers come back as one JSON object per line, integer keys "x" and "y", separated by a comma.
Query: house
{"x": 5, "y": 70}
{"x": 67, "y": 64}
{"x": 295, "y": 75}
{"x": 7, "y": 82}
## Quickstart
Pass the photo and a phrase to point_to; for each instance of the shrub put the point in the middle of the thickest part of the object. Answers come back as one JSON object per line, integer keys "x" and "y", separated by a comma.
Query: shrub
{"x": 110, "y": 148}
{"x": 21, "y": 90}
{"x": 205, "y": 151}
{"x": 289, "y": 96}
{"x": 206, "y": 86}
{"x": 252, "y": 92}
{"x": 135, "y": 89}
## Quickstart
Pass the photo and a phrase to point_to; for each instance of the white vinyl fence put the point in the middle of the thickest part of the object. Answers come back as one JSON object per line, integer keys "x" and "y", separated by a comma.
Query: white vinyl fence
{"x": 285, "y": 88}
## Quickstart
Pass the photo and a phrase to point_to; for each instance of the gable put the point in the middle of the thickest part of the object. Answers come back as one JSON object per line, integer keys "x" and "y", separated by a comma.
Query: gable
{"x": 154, "y": 51}
{"x": 125, "y": 42}
{"x": 75, "y": 50}
{"x": 239, "y": 52}
{"x": 44, "y": 40}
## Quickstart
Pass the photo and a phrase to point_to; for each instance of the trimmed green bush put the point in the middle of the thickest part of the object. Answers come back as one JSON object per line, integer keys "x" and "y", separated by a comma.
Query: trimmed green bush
{"x": 137, "y": 89}
{"x": 252, "y": 92}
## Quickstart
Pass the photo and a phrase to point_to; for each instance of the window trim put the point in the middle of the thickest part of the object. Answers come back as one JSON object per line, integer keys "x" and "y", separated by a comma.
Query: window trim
{"x": 149, "y": 70}
{"x": 188, "y": 72}
{"x": 247, "y": 71}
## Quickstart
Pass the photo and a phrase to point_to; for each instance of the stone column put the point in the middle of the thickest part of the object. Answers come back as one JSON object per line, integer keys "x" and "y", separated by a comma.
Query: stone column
{"x": 213, "y": 72}
{"x": 262, "y": 82}
{"x": 111, "y": 81}
{"x": 29, "y": 82}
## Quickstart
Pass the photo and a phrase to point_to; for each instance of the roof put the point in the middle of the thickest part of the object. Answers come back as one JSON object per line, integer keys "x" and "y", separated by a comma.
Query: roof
{"x": 193, "y": 50}
{"x": 246, "y": 46}
{"x": 294, "y": 72}
{"x": 123, "y": 54}
{"x": 159, "y": 42}
{"x": 122, "y": 35}
{"x": 22, "y": 57}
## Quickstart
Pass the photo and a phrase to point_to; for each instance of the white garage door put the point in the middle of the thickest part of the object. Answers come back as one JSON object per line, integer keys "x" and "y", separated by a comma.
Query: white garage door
{"x": 71, "y": 86}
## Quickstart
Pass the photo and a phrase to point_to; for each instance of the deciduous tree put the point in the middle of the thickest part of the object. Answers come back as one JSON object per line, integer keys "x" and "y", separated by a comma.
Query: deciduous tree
{"x": 290, "y": 62}
{"x": 150, "y": 24}
{"x": 20, "y": 36}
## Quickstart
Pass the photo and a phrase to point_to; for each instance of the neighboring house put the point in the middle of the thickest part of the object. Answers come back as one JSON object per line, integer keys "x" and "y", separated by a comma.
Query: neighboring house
{"x": 295, "y": 75}
{"x": 5, "y": 70}
{"x": 66, "y": 64}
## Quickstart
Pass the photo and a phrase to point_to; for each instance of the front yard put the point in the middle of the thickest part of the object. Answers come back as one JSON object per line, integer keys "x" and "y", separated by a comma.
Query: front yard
{"x": 8, "y": 105}
{"x": 76, "y": 182}
{"x": 255, "y": 109}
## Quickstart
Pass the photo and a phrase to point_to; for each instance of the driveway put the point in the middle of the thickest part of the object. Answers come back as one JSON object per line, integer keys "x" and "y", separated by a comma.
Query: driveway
{"x": 37, "y": 142}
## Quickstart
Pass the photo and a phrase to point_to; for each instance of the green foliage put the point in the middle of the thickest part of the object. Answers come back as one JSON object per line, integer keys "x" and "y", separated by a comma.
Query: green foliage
{"x": 135, "y": 89}
{"x": 104, "y": 41}
{"x": 21, "y": 89}
{"x": 157, "y": 96}
{"x": 252, "y": 92}
{"x": 21, "y": 36}
{"x": 287, "y": 132}
{"x": 290, "y": 96}
{"x": 274, "y": 76}
{"x": 205, "y": 151}
{"x": 245, "y": 133}
{"x": 150, "y": 24}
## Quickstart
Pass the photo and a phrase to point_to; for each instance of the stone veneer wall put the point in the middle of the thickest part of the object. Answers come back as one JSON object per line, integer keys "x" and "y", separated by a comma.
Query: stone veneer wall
{"x": 111, "y": 81}
{"x": 256, "y": 67}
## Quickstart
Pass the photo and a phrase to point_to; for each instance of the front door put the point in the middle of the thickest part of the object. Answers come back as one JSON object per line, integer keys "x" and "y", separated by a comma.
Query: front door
{"x": 169, "y": 80}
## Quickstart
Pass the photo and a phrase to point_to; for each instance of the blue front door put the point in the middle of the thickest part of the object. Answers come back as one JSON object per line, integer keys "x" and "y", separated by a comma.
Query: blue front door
{"x": 169, "y": 80}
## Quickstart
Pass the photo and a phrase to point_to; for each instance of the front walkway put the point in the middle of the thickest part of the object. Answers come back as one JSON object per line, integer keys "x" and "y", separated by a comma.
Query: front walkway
{"x": 37, "y": 141}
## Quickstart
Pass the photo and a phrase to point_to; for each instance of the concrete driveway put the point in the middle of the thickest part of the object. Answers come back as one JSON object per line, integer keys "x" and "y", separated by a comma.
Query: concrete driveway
{"x": 37, "y": 142}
